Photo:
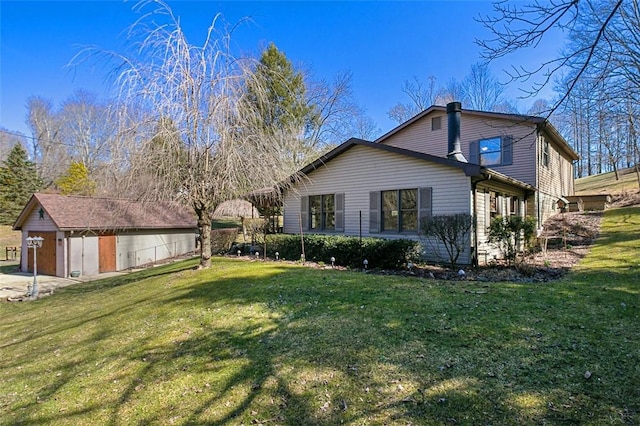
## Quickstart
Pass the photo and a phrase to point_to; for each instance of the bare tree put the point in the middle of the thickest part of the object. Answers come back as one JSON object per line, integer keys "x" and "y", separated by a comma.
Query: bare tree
{"x": 481, "y": 89}
{"x": 8, "y": 140}
{"x": 421, "y": 96}
{"x": 335, "y": 111}
{"x": 82, "y": 130}
{"x": 453, "y": 91}
{"x": 47, "y": 146}
{"x": 517, "y": 27}
{"x": 223, "y": 152}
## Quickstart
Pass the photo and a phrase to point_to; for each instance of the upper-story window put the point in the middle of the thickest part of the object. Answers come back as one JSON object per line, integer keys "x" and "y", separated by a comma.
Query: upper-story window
{"x": 490, "y": 151}
{"x": 545, "y": 153}
{"x": 495, "y": 151}
{"x": 436, "y": 123}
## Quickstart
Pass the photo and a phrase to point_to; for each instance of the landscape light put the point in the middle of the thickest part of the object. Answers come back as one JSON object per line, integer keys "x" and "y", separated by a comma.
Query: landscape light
{"x": 35, "y": 243}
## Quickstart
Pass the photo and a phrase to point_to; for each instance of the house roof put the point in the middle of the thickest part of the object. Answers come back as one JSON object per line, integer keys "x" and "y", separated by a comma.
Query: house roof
{"x": 469, "y": 169}
{"x": 540, "y": 123}
{"x": 94, "y": 213}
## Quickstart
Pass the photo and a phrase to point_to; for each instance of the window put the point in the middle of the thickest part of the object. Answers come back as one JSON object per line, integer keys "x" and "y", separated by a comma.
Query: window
{"x": 322, "y": 212}
{"x": 490, "y": 151}
{"x": 545, "y": 153}
{"x": 436, "y": 123}
{"x": 493, "y": 204}
{"x": 496, "y": 151}
{"x": 399, "y": 210}
{"x": 514, "y": 208}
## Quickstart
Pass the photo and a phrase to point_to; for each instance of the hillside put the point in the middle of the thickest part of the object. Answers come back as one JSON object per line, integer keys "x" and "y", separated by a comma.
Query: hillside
{"x": 607, "y": 183}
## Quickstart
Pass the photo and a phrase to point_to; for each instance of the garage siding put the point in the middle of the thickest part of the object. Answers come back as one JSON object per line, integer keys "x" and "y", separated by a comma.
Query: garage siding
{"x": 144, "y": 247}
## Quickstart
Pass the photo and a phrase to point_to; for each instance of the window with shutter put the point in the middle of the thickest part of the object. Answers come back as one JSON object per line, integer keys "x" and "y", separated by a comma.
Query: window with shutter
{"x": 304, "y": 213}
{"x": 495, "y": 151}
{"x": 322, "y": 212}
{"x": 425, "y": 204}
{"x": 473, "y": 152}
{"x": 339, "y": 213}
{"x": 374, "y": 212}
{"x": 507, "y": 150}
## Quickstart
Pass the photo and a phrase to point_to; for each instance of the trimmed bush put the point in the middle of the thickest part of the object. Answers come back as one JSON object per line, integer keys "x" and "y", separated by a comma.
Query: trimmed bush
{"x": 381, "y": 253}
{"x": 221, "y": 239}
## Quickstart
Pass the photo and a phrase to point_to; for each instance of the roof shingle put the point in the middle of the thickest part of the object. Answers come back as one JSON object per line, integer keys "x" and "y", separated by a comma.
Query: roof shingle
{"x": 93, "y": 213}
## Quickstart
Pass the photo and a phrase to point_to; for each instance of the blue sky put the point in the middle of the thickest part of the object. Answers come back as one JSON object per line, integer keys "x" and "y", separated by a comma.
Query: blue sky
{"x": 381, "y": 43}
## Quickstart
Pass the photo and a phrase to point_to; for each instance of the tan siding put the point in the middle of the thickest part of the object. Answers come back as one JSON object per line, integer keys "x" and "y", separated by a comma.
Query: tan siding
{"x": 486, "y": 251}
{"x": 419, "y": 137}
{"x": 362, "y": 170}
{"x": 33, "y": 223}
{"x": 557, "y": 178}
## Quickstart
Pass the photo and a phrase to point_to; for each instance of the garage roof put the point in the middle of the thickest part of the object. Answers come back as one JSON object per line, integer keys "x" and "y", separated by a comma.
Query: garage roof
{"x": 100, "y": 214}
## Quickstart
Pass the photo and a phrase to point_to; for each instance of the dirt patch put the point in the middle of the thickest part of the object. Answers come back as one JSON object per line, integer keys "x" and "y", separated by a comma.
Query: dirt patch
{"x": 626, "y": 199}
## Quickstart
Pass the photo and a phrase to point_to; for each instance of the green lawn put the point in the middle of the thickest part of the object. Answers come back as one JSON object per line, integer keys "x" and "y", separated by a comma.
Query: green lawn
{"x": 607, "y": 183}
{"x": 8, "y": 238}
{"x": 271, "y": 343}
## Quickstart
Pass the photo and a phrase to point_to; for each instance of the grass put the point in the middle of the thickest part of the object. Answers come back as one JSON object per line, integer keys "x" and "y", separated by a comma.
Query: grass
{"x": 273, "y": 343}
{"x": 226, "y": 222}
{"x": 607, "y": 183}
{"x": 8, "y": 238}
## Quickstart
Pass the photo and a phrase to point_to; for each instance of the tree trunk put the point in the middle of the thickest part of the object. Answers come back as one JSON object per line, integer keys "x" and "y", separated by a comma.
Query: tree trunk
{"x": 204, "y": 226}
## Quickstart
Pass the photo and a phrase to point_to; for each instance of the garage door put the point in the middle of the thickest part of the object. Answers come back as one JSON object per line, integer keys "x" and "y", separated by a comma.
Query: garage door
{"x": 107, "y": 253}
{"x": 46, "y": 256}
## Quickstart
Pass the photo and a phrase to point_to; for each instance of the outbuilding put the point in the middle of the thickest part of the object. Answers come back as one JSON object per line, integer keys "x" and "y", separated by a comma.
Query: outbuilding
{"x": 91, "y": 235}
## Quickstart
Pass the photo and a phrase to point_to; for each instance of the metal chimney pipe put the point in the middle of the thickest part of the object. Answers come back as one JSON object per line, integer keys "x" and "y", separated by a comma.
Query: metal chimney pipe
{"x": 453, "y": 112}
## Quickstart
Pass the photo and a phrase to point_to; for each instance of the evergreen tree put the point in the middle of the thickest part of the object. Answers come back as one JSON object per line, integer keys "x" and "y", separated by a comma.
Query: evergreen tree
{"x": 18, "y": 181}
{"x": 76, "y": 181}
{"x": 278, "y": 92}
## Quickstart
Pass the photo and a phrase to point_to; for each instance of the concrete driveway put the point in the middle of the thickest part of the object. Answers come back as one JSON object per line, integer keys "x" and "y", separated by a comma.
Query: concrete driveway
{"x": 16, "y": 285}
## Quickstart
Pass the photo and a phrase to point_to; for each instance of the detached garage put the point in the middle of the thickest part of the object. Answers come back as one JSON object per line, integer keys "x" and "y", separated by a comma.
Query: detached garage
{"x": 92, "y": 235}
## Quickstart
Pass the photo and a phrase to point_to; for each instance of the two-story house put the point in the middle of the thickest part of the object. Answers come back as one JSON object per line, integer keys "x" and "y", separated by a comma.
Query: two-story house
{"x": 442, "y": 161}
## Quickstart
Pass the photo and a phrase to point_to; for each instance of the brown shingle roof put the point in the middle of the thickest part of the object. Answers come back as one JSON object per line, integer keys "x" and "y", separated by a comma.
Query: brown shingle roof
{"x": 89, "y": 213}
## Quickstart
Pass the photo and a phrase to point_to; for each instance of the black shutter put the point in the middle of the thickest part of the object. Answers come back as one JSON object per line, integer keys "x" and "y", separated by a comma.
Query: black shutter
{"x": 374, "y": 212}
{"x": 339, "y": 203}
{"x": 473, "y": 152}
{"x": 487, "y": 210}
{"x": 507, "y": 150}
{"x": 304, "y": 213}
{"x": 425, "y": 205}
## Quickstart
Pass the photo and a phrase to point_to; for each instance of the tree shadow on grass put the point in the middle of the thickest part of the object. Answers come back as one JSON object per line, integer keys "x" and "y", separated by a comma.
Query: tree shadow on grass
{"x": 281, "y": 345}
{"x": 349, "y": 327}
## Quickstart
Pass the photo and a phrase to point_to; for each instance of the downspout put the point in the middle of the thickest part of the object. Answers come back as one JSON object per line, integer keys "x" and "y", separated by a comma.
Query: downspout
{"x": 474, "y": 191}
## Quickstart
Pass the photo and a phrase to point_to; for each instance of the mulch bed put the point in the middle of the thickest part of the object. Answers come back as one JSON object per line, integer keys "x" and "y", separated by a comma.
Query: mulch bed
{"x": 568, "y": 239}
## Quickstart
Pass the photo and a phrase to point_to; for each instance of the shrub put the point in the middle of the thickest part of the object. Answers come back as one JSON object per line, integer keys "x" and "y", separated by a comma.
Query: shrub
{"x": 381, "y": 253}
{"x": 511, "y": 235}
{"x": 453, "y": 231}
{"x": 221, "y": 239}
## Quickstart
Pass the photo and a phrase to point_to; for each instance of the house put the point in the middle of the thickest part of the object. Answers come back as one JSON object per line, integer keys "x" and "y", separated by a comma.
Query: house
{"x": 442, "y": 161}
{"x": 95, "y": 235}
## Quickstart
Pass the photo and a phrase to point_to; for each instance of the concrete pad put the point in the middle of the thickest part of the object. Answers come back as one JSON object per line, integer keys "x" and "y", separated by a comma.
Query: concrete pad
{"x": 15, "y": 286}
